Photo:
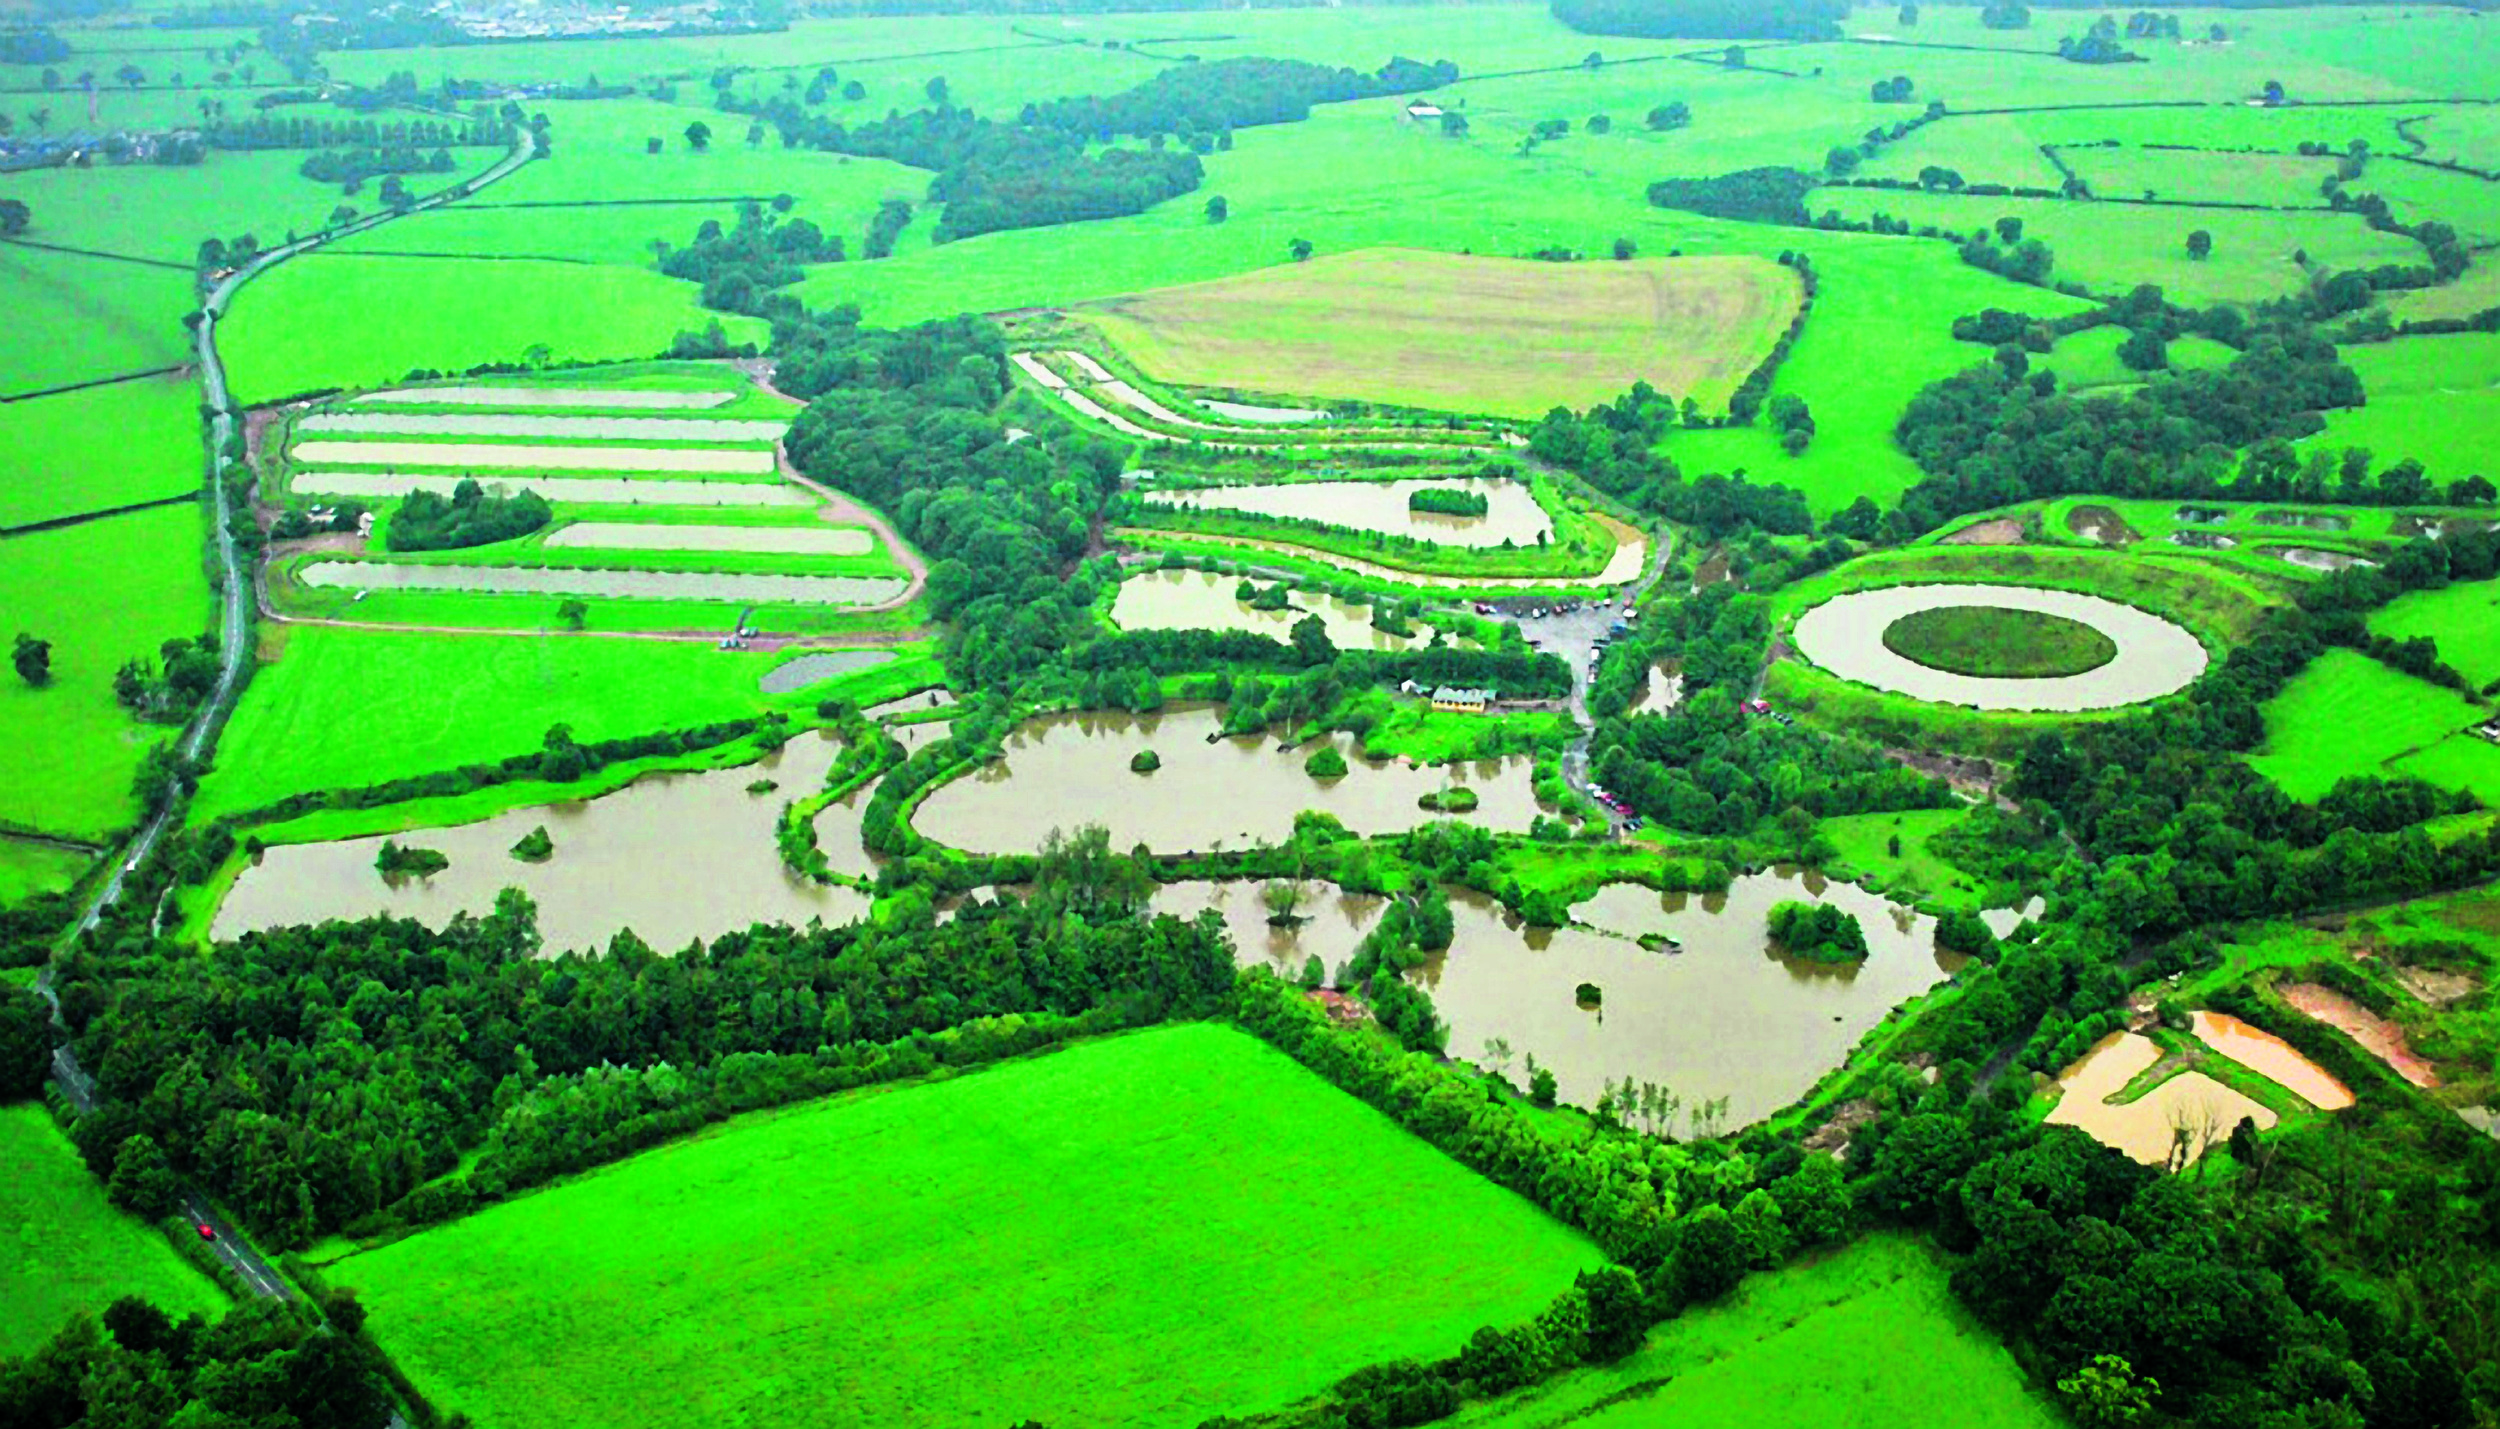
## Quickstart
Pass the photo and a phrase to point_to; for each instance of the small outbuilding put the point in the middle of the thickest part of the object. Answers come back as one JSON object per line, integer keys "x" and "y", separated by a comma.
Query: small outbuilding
{"x": 1451, "y": 699}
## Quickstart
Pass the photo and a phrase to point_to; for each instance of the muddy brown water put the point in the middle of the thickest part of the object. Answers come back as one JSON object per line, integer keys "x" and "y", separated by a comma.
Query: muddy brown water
{"x": 2305, "y": 520}
{"x": 806, "y": 670}
{"x": 2377, "y": 1035}
{"x": 620, "y": 397}
{"x": 2314, "y": 559}
{"x": 1511, "y": 515}
{"x": 525, "y": 458}
{"x": 612, "y": 584}
{"x": 1251, "y": 412}
{"x": 1069, "y": 770}
{"x": 535, "y": 424}
{"x": 2143, "y": 1128}
{"x": 2202, "y": 515}
{"x": 1844, "y": 635}
{"x": 911, "y": 704}
{"x": 1203, "y": 600}
{"x": 1662, "y": 691}
{"x": 2438, "y": 527}
{"x": 2202, "y": 540}
{"x": 677, "y": 536}
{"x": 2003, "y": 921}
{"x": 1333, "y": 921}
{"x": 675, "y": 857}
{"x": 2273, "y": 1058}
{"x": 1725, "y": 1016}
{"x": 613, "y": 491}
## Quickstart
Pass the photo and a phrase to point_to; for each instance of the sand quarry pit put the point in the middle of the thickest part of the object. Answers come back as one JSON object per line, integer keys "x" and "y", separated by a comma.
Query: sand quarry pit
{"x": 764, "y": 540}
{"x": 2375, "y": 1034}
{"x": 1510, "y": 337}
{"x": 537, "y": 424}
{"x": 465, "y": 455}
{"x": 620, "y": 398}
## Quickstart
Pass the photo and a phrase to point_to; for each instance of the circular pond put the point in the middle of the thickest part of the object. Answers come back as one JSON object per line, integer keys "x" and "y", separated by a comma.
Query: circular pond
{"x": 1846, "y": 635}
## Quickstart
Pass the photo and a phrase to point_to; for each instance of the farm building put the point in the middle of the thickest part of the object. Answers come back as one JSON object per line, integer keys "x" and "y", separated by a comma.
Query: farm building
{"x": 1450, "y": 699}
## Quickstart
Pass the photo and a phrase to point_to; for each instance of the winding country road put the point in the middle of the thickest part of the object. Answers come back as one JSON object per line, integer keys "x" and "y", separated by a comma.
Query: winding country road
{"x": 234, "y": 631}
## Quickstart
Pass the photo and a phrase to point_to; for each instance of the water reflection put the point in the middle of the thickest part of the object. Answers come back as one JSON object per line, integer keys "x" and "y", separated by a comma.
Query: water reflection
{"x": 1333, "y": 921}
{"x": 675, "y": 857}
{"x": 1066, "y": 771}
{"x": 1709, "y": 1010}
{"x": 1203, "y": 600}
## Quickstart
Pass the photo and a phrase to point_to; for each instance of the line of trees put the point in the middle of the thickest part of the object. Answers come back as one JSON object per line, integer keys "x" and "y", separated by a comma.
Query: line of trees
{"x": 431, "y": 521}
{"x": 1706, "y": 19}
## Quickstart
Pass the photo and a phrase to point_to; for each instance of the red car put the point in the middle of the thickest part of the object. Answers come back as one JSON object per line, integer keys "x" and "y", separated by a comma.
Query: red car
{"x": 207, "y": 1232}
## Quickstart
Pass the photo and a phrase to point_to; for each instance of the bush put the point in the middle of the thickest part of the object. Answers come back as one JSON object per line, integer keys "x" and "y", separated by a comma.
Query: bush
{"x": 1817, "y": 932}
{"x": 1325, "y": 763}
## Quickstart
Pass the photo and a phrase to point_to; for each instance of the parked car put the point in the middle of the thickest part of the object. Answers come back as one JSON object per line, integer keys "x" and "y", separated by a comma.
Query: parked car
{"x": 207, "y": 1231}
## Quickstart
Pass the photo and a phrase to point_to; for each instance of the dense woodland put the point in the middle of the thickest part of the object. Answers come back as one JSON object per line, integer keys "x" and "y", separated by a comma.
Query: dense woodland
{"x": 431, "y": 521}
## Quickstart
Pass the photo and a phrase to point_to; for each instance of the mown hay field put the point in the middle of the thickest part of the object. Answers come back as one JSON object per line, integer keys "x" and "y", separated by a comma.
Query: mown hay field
{"x": 1144, "y": 1230}
{"x": 1868, "y": 1335}
{"x": 2347, "y": 714}
{"x": 64, "y": 1249}
{"x": 1507, "y": 336}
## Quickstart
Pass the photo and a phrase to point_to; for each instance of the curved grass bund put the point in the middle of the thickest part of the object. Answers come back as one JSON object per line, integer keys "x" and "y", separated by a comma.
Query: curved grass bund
{"x": 1072, "y": 1289}
{"x": 1268, "y": 554}
{"x": 1995, "y": 643}
{"x": 2218, "y": 604}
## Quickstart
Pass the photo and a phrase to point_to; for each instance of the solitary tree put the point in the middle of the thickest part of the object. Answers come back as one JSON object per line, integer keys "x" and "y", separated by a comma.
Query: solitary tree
{"x": 1301, "y": 250}
{"x": 651, "y": 145}
{"x": 131, "y": 76}
{"x": 1624, "y": 248}
{"x": 33, "y": 659}
{"x": 14, "y": 216}
{"x": 935, "y": 89}
{"x": 2200, "y": 245}
{"x": 2009, "y": 230}
{"x": 698, "y": 136}
{"x": 573, "y": 613}
{"x": 1218, "y": 210}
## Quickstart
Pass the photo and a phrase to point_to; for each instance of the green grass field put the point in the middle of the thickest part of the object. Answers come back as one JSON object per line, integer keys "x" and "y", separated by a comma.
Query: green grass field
{"x": 28, "y": 868}
{"x": 98, "y": 318}
{"x": 2348, "y": 714}
{"x": 2433, "y": 399}
{"x": 102, "y": 592}
{"x": 2111, "y": 247}
{"x": 1144, "y": 1230}
{"x": 2464, "y": 619}
{"x": 100, "y": 448}
{"x": 1869, "y": 1335}
{"x": 160, "y": 212}
{"x": 2461, "y": 761}
{"x": 342, "y": 708}
{"x": 68, "y": 1249}
{"x": 334, "y": 321}
{"x": 1862, "y": 850}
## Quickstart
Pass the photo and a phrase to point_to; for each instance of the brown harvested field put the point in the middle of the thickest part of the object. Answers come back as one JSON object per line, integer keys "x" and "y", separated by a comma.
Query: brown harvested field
{"x": 1508, "y": 337}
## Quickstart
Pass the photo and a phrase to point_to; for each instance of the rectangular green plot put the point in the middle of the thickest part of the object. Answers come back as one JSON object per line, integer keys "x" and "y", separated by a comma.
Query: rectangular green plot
{"x": 2435, "y": 400}
{"x": 347, "y": 708}
{"x": 101, "y": 448}
{"x": 2111, "y": 247}
{"x": 86, "y": 318}
{"x": 28, "y": 868}
{"x": 336, "y": 321}
{"x": 103, "y": 592}
{"x": 64, "y": 1249}
{"x": 2347, "y": 714}
{"x": 1867, "y": 1337}
{"x": 163, "y": 212}
{"x": 2464, "y": 618}
{"x": 2276, "y": 180}
{"x": 2461, "y": 761}
{"x": 1146, "y": 1230}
